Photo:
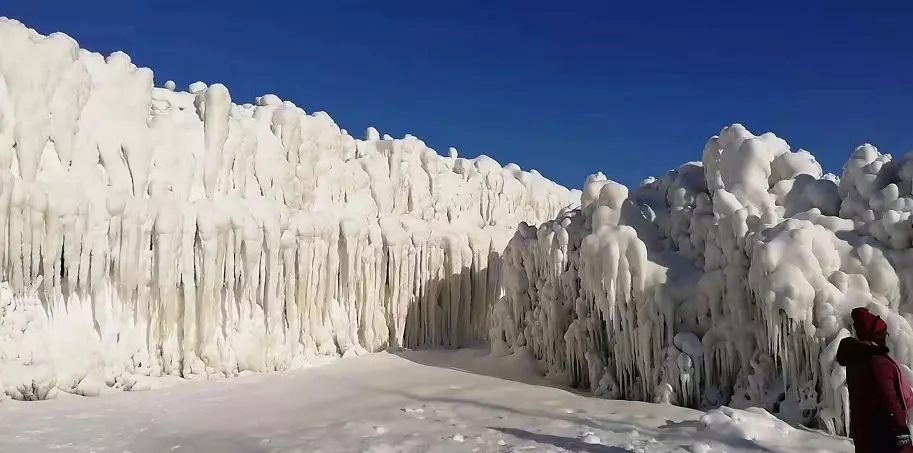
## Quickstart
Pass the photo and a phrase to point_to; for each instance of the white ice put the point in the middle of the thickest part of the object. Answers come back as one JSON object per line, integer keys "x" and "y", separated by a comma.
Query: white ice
{"x": 728, "y": 281}
{"x": 149, "y": 234}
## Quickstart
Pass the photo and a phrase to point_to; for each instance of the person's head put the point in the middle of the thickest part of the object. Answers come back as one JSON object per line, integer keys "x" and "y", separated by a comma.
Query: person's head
{"x": 869, "y": 327}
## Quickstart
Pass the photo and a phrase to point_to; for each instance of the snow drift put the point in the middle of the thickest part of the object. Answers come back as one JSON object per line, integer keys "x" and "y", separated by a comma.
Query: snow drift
{"x": 149, "y": 232}
{"x": 726, "y": 281}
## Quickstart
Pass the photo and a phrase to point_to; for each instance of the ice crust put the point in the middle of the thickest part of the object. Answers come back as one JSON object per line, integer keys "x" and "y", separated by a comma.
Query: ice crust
{"x": 726, "y": 281}
{"x": 150, "y": 232}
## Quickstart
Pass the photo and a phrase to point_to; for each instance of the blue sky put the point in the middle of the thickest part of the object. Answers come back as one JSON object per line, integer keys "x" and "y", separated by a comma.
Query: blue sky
{"x": 569, "y": 88}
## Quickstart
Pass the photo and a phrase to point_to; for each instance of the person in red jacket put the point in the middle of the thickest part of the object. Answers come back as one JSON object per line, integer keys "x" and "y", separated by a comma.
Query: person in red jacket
{"x": 878, "y": 412}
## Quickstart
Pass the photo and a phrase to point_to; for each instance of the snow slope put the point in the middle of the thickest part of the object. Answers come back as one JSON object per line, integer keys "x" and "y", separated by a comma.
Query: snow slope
{"x": 149, "y": 232}
{"x": 409, "y": 402}
{"x": 726, "y": 281}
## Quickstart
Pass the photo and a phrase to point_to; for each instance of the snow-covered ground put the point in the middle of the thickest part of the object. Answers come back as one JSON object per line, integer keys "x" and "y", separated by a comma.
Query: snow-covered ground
{"x": 426, "y": 401}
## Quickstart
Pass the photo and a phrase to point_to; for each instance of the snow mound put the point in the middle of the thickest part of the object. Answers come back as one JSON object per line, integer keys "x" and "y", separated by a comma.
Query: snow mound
{"x": 751, "y": 424}
{"x": 757, "y": 428}
{"x": 726, "y": 281}
{"x": 149, "y": 232}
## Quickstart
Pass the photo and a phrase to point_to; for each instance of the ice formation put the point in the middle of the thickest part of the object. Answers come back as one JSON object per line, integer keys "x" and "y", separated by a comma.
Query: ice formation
{"x": 726, "y": 281}
{"x": 150, "y": 232}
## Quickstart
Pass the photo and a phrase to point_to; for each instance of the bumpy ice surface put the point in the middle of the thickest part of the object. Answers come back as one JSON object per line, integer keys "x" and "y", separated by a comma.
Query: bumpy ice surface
{"x": 726, "y": 281}
{"x": 146, "y": 232}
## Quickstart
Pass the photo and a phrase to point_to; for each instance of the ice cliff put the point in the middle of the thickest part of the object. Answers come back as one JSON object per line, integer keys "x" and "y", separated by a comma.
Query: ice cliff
{"x": 726, "y": 281}
{"x": 148, "y": 232}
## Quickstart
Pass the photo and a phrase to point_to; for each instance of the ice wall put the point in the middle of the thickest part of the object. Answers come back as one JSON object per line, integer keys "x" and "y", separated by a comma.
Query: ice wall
{"x": 149, "y": 232}
{"x": 727, "y": 281}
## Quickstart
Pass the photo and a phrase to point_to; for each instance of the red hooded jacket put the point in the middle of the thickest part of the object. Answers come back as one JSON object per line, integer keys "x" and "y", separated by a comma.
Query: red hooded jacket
{"x": 878, "y": 418}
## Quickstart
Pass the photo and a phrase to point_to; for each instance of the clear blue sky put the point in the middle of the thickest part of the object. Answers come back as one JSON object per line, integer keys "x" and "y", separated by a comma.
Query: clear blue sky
{"x": 569, "y": 88}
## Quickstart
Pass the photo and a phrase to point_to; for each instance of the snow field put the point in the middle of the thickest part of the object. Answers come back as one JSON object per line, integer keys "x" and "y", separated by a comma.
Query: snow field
{"x": 428, "y": 401}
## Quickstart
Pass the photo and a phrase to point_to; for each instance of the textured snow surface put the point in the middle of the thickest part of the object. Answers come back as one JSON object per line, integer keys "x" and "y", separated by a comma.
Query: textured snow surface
{"x": 726, "y": 282}
{"x": 460, "y": 401}
{"x": 146, "y": 232}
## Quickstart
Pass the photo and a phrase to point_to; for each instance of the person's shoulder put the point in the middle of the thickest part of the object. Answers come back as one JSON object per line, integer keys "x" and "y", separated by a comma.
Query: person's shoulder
{"x": 883, "y": 362}
{"x": 847, "y": 342}
{"x": 882, "y": 359}
{"x": 852, "y": 351}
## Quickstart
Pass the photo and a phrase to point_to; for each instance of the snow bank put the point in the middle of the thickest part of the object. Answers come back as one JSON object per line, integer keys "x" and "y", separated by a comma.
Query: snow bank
{"x": 727, "y": 281}
{"x": 754, "y": 428}
{"x": 147, "y": 232}
{"x": 752, "y": 424}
